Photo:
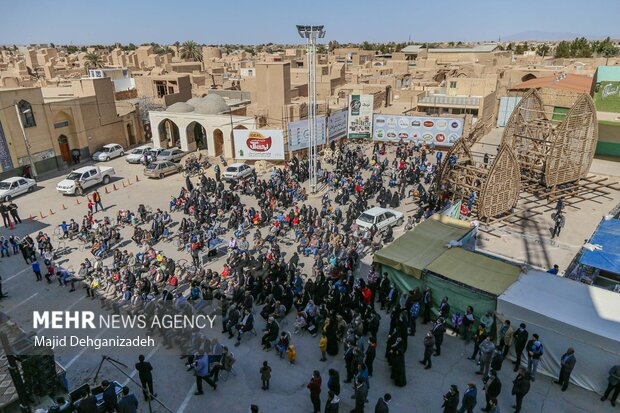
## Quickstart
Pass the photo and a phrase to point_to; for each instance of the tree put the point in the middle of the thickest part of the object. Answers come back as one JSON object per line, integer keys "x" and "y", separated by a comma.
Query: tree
{"x": 72, "y": 49}
{"x": 520, "y": 49}
{"x": 320, "y": 49}
{"x": 543, "y": 50}
{"x": 333, "y": 45}
{"x": 563, "y": 50}
{"x": 92, "y": 60}
{"x": 580, "y": 48}
{"x": 510, "y": 46}
{"x": 192, "y": 51}
{"x": 366, "y": 46}
{"x": 604, "y": 48}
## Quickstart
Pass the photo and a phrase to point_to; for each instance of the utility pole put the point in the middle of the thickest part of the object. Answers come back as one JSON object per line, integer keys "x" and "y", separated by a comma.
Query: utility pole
{"x": 311, "y": 33}
{"x": 33, "y": 168}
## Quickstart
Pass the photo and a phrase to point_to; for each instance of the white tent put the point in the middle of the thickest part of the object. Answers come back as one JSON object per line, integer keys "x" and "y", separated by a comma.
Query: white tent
{"x": 566, "y": 313}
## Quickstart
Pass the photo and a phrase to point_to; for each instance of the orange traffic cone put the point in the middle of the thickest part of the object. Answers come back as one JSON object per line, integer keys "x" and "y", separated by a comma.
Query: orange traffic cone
{"x": 11, "y": 225}
{"x": 31, "y": 219}
{"x": 137, "y": 179}
{"x": 106, "y": 190}
{"x": 77, "y": 201}
{"x": 63, "y": 207}
{"x": 51, "y": 212}
{"x": 114, "y": 186}
{"x": 124, "y": 186}
{"x": 41, "y": 215}
{"x": 128, "y": 181}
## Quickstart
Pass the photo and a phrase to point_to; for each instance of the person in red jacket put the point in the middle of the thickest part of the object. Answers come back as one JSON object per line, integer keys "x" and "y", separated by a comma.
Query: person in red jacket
{"x": 315, "y": 391}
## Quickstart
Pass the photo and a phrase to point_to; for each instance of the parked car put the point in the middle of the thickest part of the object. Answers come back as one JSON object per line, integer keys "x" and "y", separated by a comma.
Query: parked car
{"x": 12, "y": 187}
{"x": 137, "y": 154}
{"x": 381, "y": 217}
{"x": 108, "y": 152}
{"x": 153, "y": 154}
{"x": 238, "y": 171}
{"x": 159, "y": 169}
{"x": 173, "y": 154}
{"x": 86, "y": 177}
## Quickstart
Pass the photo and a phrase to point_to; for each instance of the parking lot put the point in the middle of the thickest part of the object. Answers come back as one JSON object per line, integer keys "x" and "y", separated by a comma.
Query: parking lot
{"x": 288, "y": 392}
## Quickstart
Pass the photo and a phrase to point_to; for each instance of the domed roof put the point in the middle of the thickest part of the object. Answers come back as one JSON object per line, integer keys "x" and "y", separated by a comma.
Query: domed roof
{"x": 194, "y": 101}
{"x": 212, "y": 104}
{"x": 180, "y": 107}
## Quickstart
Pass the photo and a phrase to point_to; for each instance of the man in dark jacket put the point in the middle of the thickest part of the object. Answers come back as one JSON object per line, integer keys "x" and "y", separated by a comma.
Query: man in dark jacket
{"x": 429, "y": 343}
{"x": 438, "y": 331}
{"x": 520, "y": 387}
{"x": 567, "y": 364}
{"x": 492, "y": 389}
{"x": 520, "y": 338}
{"x": 613, "y": 383}
{"x": 315, "y": 391}
{"x": 110, "y": 402}
{"x": 382, "y": 404}
{"x": 128, "y": 402}
{"x": 470, "y": 398}
{"x": 88, "y": 404}
{"x": 451, "y": 400}
{"x": 145, "y": 369}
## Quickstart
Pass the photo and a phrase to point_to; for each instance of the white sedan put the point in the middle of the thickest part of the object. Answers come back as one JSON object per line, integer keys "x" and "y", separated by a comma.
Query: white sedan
{"x": 108, "y": 152}
{"x": 238, "y": 171}
{"x": 380, "y": 217}
{"x": 11, "y": 187}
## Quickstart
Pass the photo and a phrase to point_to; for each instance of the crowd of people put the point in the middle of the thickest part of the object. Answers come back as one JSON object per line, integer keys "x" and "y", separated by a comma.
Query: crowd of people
{"x": 332, "y": 301}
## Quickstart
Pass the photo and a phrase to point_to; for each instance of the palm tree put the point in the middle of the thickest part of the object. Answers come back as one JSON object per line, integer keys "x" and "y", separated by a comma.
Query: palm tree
{"x": 191, "y": 50}
{"x": 92, "y": 60}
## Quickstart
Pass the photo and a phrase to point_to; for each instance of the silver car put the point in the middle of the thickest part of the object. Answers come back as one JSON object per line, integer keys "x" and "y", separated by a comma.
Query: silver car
{"x": 160, "y": 169}
{"x": 173, "y": 155}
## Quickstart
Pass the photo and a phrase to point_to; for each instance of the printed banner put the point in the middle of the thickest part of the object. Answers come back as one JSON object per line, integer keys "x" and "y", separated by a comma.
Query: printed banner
{"x": 337, "y": 125}
{"x": 259, "y": 144}
{"x": 420, "y": 129}
{"x": 360, "y": 116}
{"x": 5, "y": 155}
{"x": 299, "y": 133}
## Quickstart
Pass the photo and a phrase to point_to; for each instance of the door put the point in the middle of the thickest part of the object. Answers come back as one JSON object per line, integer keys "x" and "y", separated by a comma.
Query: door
{"x": 23, "y": 186}
{"x": 65, "y": 152}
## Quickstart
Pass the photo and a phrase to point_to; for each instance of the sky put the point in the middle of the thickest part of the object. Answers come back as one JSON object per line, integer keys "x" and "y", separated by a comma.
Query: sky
{"x": 253, "y": 22}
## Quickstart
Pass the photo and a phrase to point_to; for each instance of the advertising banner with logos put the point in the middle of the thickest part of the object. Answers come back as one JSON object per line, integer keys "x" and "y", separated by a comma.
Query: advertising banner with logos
{"x": 360, "y": 116}
{"x": 299, "y": 133}
{"x": 337, "y": 125}
{"x": 259, "y": 144}
{"x": 420, "y": 129}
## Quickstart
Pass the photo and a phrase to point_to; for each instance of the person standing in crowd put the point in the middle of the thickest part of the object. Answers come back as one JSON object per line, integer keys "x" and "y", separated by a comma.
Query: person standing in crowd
{"x": 202, "y": 373}
{"x": 371, "y": 353}
{"x": 520, "y": 340}
{"x": 613, "y": 384}
{"x": 110, "y": 401}
{"x": 558, "y": 225}
{"x": 128, "y": 402}
{"x": 567, "y": 364}
{"x": 315, "y": 391}
{"x": 487, "y": 348}
{"x": 323, "y": 347}
{"x": 75, "y": 155}
{"x": 383, "y": 403}
{"x": 332, "y": 404}
{"x": 429, "y": 344}
{"x": 4, "y": 211}
{"x": 360, "y": 395}
{"x": 427, "y": 300}
{"x": 479, "y": 336}
{"x": 535, "y": 351}
{"x": 520, "y": 387}
{"x": 36, "y": 269}
{"x": 451, "y": 400}
{"x": 145, "y": 373}
{"x": 265, "y": 375}
{"x": 97, "y": 201}
{"x": 470, "y": 398}
{"x": 506, "y": 335}
{"x": 14, "y": 213}
{"x": 438, "y": 331}
{"x": 492, "y": 389}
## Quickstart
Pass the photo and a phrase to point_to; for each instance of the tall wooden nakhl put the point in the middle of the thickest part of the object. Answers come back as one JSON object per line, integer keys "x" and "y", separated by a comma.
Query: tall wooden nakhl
{"x": 495, "y": 189}
{"x": 552, "y": 153}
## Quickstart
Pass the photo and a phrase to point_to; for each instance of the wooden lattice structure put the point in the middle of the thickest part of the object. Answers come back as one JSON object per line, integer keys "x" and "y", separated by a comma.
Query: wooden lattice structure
{"x": 496, "y": 188}
{"x": 552, "y": 153}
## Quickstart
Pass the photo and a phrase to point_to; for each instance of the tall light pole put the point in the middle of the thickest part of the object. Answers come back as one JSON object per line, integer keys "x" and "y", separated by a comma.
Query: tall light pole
{"x": 311, "y": 33}
{"x": 20, "y": 113}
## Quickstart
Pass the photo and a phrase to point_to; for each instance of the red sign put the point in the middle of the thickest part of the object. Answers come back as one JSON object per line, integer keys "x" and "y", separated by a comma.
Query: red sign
{"x": 258, "y": 142}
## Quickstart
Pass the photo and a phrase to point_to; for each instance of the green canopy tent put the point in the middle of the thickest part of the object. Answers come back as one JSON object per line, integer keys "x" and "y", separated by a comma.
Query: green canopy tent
{"x": 421, "y": 258}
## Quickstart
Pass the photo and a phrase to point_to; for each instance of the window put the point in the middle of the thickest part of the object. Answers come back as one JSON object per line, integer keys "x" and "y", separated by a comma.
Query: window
{"x": 452, "y": 85}
{"x": 27, "y": 114}
{"x": 22, "y": 182}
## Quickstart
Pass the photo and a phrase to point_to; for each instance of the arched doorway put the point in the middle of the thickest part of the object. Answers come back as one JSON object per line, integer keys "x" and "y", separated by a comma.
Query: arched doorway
{"x": 232, "y": 140}
{"x": 218, "y": 140}
{"x": 168, "y": 134}
{"x": 131, "y": 137}
{"x": 197, "y": 133}
{"x": 527, "y": 77}
{"x": 65, "y": 151}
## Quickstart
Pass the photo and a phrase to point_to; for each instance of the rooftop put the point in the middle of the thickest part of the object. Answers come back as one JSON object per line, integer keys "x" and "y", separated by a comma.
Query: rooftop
{"x": 573, "y": 83}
